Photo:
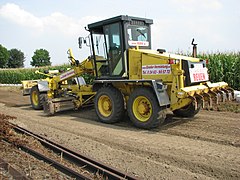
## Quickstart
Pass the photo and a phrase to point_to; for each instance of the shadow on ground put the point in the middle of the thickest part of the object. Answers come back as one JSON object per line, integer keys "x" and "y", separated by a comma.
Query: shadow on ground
{"x": 88, "y": 115}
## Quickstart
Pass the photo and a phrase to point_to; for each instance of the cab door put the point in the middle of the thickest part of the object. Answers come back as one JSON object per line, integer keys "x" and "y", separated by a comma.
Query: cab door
{"x": 115, "y": 51}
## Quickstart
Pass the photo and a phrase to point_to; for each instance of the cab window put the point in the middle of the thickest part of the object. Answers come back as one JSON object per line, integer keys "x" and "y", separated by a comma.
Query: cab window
{"x": 114, "y": 49}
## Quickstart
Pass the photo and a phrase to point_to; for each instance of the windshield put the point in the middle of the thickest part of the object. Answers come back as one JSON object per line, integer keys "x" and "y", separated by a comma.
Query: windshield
{"x": 138, "y": 35}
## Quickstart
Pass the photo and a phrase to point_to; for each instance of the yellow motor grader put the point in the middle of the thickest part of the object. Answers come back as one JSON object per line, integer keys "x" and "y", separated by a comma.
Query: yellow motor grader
{"x": 128, "y": 76}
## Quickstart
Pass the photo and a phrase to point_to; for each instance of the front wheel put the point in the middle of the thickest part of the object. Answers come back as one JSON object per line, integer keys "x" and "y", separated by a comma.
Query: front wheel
{"x": 109, "y": 105}
{"x": 144, "y": 110}
{"x": 36, "y": 98}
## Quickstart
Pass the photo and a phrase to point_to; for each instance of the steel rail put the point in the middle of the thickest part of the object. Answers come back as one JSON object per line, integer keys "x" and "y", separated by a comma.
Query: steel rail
{"x": 66, "y": 170}
{"x": 89, "y": 164}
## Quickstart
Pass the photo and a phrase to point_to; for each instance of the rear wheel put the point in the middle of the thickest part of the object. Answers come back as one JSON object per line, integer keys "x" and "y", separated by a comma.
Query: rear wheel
{"x": 189, "y": 110}
{"x": 109, "y": 105}
{"x": 144, "y": 110}
{"x": 36, "y": 98}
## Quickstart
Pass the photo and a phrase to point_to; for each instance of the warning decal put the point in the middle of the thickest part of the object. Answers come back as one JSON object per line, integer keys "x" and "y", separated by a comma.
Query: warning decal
{"x": 67, "y": 74}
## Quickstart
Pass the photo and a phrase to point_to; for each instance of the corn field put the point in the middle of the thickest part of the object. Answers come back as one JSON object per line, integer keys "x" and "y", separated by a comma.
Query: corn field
{"x": 222, "y": 67}
{"x": 15, "y": 76}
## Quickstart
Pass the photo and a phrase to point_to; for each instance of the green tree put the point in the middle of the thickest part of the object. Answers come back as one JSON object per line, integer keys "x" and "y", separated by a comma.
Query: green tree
{"x": 4, "y": 56}
{"x": 16, "y": 59}
{"x": 41, "y": 58}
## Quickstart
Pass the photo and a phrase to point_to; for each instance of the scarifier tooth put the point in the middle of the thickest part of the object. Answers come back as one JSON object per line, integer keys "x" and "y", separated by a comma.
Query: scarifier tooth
{"x": 232, "y": 93}
{"x": 213, "y": 96}
{"x": 218, "y": 97}
{"x": 230, "y": 98}
{"x": 195, "y": 103}
{"x": 224, "y": 96}
{"x": 203, "y": 102}
{"x": 209, "y": 100}
{"x": 228, "y": 94}
{"x": 202, "y": 99}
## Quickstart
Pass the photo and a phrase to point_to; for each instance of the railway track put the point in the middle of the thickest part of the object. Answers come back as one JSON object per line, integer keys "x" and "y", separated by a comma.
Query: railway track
{"x": 91, "y": 165}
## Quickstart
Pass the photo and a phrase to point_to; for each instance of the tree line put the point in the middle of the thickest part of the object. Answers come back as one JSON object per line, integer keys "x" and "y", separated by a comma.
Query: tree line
{"x": 14, "y": 58}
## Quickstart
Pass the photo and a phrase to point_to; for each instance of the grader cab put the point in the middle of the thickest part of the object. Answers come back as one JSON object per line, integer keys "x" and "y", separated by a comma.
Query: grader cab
{"x": 131, "y": 77}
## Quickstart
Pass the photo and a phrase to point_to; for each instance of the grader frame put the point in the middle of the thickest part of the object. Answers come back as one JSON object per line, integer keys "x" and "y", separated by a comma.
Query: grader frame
{"x": 131, "y": 77}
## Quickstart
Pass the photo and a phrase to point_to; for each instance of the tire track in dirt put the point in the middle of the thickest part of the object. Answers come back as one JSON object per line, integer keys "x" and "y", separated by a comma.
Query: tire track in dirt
{"x": 175, "y": 160}
{"x": 195, "y": 129}
{"x": 210, "y": 129}
{"x": 203, "y": 136}
{"x": 197, "y": 137}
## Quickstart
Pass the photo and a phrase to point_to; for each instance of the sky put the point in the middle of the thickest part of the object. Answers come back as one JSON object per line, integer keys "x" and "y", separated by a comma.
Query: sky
{"x": 55, "y": 25}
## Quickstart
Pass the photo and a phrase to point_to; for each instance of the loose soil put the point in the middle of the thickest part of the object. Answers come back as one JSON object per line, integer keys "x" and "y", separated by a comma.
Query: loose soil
{"x": 204, "y": 147}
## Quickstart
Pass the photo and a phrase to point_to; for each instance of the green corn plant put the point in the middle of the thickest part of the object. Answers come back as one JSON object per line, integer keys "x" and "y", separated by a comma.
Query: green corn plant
{"x": 15, "y": 76}
{"x": 224, "y": 67}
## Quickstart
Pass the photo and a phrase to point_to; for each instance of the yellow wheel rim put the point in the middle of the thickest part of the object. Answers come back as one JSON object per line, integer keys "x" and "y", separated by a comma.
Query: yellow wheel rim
{"x": 105, "y": 106}
{"x": 35, "y": 98}
{"x": 142, "y": 108}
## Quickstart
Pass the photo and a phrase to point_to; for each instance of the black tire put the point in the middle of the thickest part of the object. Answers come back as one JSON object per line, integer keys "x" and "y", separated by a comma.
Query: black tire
{"x": 115, "y": 105}
{"x": 36, "y": 98}
{"x": 189, "y": 110}
{"x": 145, "y": 120}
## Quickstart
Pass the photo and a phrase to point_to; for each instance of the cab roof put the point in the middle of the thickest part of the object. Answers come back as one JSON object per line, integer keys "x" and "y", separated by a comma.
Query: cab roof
{"x": 100, "y": 24}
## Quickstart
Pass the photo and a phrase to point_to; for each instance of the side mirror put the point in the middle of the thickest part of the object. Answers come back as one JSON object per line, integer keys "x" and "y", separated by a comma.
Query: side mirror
{"x": 80, "y": 41}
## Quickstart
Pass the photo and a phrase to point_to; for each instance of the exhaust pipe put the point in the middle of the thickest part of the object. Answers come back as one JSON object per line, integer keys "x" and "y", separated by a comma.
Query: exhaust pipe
{"x": 194, "y": 53}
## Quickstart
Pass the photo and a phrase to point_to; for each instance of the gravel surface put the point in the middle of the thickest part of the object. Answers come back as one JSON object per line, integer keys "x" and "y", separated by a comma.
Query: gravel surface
{"x": 204, "y": 147}
{"x": 4, "y": 175}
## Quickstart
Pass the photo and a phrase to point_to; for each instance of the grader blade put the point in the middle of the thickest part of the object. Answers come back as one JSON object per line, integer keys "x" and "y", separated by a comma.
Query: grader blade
{"x": 52, "y": 106}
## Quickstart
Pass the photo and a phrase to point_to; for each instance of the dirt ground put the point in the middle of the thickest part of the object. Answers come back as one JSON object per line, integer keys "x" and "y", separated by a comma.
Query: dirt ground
{"x": 204, "y": 147}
